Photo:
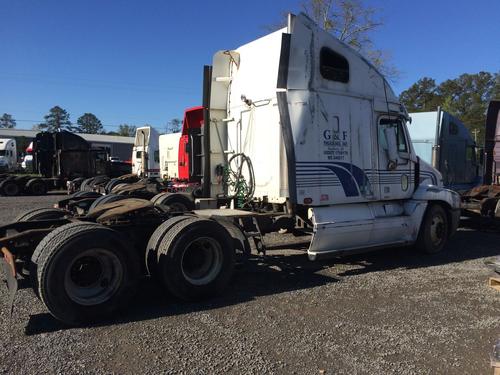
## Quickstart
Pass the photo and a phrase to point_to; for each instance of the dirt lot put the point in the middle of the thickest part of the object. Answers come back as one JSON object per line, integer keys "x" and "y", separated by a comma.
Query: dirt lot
{"x": 391, "y": 311}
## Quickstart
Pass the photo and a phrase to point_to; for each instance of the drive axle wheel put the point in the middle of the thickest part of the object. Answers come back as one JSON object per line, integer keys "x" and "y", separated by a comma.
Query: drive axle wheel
{"x": 196, "y": 259}
{"x": 93, "y": 276}
{"x": 46, "y": 242}
{"x": 155, "y": 241}
{"x": 433, "y": 230}
{"x": 86, "y": 273}
{"x": 10, "y": 188}
{"x": 103, "y": 199}
{"x": 41, "y": 214}
{"x": 36, "y": 187}
{"x": 176, "y": 202}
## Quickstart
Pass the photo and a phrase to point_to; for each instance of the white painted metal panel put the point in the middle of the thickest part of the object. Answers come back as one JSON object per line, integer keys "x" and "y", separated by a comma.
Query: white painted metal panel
{"x": 253, "y": 127}
{"x": 146, "y": 141}
{"x": 169, "y": 155}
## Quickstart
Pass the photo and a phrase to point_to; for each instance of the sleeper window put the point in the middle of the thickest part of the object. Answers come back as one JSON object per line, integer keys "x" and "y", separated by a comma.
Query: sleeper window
{"x": 333, "y": 66}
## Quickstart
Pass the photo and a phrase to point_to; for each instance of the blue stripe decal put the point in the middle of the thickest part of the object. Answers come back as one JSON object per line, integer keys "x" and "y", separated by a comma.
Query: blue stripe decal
{"x": 350, "y": 177}
{"x": 353, "y": 170}
{"x": 347, "y": 180}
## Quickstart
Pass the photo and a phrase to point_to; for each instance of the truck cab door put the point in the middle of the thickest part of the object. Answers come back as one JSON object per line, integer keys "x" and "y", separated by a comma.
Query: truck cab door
{"x": 396, "y": 169}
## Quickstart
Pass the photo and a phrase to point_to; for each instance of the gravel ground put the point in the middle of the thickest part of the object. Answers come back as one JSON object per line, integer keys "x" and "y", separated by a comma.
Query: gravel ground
{"x": 390, "y": 311}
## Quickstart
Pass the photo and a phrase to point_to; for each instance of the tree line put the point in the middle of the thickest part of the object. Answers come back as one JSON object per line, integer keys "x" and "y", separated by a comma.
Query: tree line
{"x": 59, "y": 119}
{"x": 465, "y": 97}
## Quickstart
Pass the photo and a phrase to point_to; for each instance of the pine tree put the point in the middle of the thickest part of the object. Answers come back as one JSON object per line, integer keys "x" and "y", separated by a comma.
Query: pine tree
{"x": 56, "y": 120}
{"x": 89, "y": 123}
{"x": 7, "y": 121}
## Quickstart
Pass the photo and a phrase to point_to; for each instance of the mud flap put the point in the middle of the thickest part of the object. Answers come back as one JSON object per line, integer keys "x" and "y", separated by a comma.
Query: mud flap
{"x": 11, "y": 282}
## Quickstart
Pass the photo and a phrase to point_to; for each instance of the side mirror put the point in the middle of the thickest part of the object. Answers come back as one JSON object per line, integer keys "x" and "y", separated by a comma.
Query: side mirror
{"x": 392, "y": 147}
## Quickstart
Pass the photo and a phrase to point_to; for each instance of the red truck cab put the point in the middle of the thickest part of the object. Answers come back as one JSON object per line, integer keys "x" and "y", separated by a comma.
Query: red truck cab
{"x": 190, "y": 145}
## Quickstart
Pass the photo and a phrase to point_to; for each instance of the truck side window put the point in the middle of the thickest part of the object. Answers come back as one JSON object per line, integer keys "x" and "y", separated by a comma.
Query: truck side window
{"x": 138, "y": 154}
{"x": 400, "y": 135}
{"x": 157, "y": 156}
{"x": 333, "y": 66}
{"x": 402, "y": 147}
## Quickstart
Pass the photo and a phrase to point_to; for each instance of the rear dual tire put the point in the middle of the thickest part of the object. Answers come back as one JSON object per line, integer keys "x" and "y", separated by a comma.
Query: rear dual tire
{"x": 85, "y": 272}
{"x": 175, "y": 202}
{"x": 10, "y": 188}
{"x": 36, "y": 187}
{"x": 195, "y": 259}
{"x": 41, "y": 214}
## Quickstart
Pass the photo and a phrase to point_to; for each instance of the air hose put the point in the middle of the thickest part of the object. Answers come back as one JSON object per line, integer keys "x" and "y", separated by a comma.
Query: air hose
{"x": 234, "y": 179}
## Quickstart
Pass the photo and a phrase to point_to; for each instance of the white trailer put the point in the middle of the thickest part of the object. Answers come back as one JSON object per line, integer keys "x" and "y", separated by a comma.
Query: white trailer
{"x": 327, "y": 139}
{"x": 8, "y": 155}
{"x": 169, "y": 155}
{"x": 146, "y": 153}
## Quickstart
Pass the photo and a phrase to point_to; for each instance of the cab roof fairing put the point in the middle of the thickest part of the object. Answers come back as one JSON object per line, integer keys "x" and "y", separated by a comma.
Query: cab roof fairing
{"x": 361, "y": 70}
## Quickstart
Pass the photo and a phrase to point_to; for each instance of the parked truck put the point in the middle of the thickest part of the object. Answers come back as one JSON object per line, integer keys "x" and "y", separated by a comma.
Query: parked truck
{"x": 180, "y": 153}
{"x": 8, "y": 155}
{"x": 146, "y": 153}
{"x": 298, "y": 126}
{"x": 180, "y": 163}
{"x": 169, "y": 155}
{"x": 58, "y": 157}
{"x": 443, "y": 141}
{"x": 483, "y": 201}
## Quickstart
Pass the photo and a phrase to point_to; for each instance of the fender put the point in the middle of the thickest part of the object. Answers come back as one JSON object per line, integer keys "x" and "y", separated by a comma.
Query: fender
{"x": 431, "y": 193}
{"x": 436, "y": 193}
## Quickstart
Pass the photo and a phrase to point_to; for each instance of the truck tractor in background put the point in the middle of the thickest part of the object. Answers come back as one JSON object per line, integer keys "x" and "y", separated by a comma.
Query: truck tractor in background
{"x": 146, "y": 153}
{"x": 443, "y": 141}
{"x": 8, "y": 155}
{"x": 298, "y": 128}
{"x": 180, "y": 153}
{"x": 59, "y": 158}
{"x": 169, "y": 156}
{"x": 180, "y": 167}
{"x": 483, "y": 201}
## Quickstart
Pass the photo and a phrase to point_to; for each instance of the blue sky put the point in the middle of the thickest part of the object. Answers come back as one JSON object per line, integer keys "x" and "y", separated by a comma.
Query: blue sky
{"x": 140, "y": 62}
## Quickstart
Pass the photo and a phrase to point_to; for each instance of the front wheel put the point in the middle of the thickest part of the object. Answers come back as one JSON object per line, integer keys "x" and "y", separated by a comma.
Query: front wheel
{"x": 433, "y": 230}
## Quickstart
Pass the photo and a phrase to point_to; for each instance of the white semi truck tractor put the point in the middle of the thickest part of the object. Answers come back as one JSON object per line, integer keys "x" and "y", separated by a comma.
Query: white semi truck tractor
{"x": 324, "y": 136}
{"x": 146, "y": 152}
{"x": 298, "y": 127}
{"x": 8, "y": 155}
